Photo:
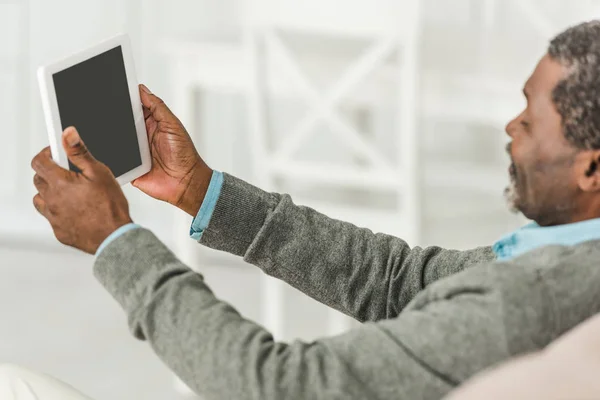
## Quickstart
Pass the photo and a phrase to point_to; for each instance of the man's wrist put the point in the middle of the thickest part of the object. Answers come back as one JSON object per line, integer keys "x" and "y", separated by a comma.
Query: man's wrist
{"x": 195, "y": 191}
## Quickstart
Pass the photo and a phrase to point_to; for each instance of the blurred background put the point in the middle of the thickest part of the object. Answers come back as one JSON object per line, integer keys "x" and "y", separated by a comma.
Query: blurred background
{"x": 386, "y": 113}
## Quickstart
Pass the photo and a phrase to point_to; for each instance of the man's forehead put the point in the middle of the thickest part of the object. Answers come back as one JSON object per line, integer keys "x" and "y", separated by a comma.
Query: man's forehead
{"x": 546, "y": 76}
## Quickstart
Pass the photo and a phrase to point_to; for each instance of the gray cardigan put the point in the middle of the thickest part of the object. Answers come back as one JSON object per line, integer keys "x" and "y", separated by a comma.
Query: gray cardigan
{"x": 432, "y": 317}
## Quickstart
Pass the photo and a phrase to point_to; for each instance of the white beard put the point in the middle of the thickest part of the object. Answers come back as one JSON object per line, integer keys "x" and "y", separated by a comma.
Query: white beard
{"x": 512, "y": 196}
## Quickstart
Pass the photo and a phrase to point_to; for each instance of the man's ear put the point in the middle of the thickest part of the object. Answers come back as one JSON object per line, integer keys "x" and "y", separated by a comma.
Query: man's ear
{"x": 588, "y": 171}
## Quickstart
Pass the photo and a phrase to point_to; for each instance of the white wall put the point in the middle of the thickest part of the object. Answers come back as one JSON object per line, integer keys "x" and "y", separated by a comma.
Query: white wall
{"x": 495, "y": 38}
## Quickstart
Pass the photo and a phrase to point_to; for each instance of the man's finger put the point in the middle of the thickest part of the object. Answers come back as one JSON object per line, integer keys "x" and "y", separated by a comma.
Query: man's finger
{"x": 76, "y": 150}
{"x": 44, "y": 166}
{"x": 147, "y": 112}
{"x": 40, "y": 205}
{"x": 157, "y": 107}
{"x": 40, "y": 183}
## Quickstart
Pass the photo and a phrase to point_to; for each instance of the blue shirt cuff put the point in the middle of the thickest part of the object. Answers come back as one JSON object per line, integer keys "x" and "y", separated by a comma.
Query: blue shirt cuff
{"x": 116, "y": 234}
{"x": 200, "y": 222}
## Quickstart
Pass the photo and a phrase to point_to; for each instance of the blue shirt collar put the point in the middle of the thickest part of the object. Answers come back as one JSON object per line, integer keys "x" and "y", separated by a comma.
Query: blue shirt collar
{"x": 532, "y": 236}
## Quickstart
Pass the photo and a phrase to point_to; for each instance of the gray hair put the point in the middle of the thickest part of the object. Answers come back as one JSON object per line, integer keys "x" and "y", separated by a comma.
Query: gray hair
{"x": 577, "y": 97}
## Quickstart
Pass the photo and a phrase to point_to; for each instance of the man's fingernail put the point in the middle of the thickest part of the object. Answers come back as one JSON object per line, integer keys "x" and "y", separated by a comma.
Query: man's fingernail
{"x": 72, "y": 137}
{"x": 145, "y": 89}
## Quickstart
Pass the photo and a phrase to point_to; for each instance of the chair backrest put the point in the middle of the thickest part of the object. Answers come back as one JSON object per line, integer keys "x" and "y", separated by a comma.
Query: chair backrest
{"x": 337, "y": 17}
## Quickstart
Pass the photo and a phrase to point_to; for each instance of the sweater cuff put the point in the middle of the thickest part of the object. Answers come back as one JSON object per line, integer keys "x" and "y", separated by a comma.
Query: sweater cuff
{"x": 200, "y": 221}
{"x": 115, "y": 235}
{"x": 239, "y": 214}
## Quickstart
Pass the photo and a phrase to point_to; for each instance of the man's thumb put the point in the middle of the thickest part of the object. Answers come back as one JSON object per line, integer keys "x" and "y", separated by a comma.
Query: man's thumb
{"x": 157, "y": 107}
{"x": 76, "y": 150}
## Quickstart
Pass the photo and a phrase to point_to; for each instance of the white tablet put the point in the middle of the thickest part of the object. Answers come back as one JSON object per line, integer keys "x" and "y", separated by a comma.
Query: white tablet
{"x": 96, "y": 91}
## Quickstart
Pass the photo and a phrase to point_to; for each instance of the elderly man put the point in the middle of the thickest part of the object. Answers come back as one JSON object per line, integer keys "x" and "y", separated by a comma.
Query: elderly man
{"x": 432, "y": 317}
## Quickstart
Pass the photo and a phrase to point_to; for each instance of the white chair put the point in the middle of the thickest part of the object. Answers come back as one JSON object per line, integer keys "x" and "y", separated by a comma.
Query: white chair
{"x": 391, "y": 30}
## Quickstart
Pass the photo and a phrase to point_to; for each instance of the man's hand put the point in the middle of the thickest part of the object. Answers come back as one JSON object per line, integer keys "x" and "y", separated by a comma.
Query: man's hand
{"x": 83, "y": 208}
{"x": 178, "y": 176}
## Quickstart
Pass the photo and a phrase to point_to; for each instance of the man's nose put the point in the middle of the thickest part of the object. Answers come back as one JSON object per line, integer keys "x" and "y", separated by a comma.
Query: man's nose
{"x": 511, "y": 127}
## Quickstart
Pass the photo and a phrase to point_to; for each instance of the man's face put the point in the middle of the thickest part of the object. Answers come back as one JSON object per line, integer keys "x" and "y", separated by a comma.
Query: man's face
{"x": 543, "y": 180}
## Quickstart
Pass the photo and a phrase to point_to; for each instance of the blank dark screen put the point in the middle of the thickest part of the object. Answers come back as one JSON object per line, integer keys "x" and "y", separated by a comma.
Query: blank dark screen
{"x": 93, "y": 96}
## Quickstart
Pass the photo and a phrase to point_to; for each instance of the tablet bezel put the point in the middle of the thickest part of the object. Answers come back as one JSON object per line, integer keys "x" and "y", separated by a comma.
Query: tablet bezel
{"x": 52, "y": 115}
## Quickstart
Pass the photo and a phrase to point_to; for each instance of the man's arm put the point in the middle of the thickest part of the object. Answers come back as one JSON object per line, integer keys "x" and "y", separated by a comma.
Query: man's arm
{"x": 224, "y": 356}
{"x": 365, "y": 275}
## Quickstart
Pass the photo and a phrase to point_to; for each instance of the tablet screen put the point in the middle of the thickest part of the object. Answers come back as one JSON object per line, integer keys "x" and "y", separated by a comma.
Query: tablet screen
{"x": 93, "y": 96}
